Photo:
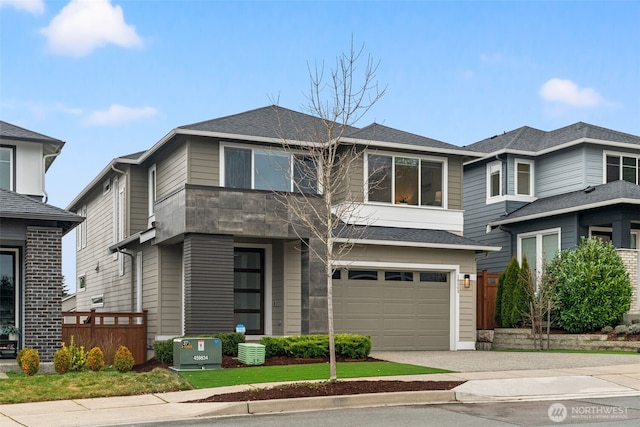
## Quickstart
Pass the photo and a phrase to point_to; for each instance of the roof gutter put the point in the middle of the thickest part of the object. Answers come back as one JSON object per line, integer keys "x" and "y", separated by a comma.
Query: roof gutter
{"x": 44, "y": 171}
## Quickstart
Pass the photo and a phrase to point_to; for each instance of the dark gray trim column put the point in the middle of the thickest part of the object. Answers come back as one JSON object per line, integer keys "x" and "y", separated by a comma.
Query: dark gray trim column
{"x": 208, "y": 284}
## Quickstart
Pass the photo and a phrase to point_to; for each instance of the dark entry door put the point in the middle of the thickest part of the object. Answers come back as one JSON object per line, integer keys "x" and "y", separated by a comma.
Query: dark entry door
{"x": 248, "y": 289}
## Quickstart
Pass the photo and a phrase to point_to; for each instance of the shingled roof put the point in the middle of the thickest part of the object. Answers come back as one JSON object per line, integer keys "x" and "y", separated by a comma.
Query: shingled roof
{"x": 527, "y": 139}
{"x": 612, "y": 193}
{"x": 9, "y": 131}
{"x": 19, "y": 206}
{"x": 268, "y": 122}
{"x": 378, "y": 132}
{"x": 410, "y": 237}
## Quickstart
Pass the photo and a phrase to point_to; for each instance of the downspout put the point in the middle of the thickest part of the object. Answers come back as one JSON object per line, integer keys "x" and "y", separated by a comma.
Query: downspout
{"x": 44, "y": 171}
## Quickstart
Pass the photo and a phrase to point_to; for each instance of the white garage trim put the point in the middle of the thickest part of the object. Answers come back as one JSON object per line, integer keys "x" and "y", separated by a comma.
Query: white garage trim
{"x": 454, "y": 291}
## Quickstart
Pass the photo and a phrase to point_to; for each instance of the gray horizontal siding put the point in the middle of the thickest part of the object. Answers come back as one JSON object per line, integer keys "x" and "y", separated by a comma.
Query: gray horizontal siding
{"x": 208, "y": 294}
{"x": 561, "y": 172}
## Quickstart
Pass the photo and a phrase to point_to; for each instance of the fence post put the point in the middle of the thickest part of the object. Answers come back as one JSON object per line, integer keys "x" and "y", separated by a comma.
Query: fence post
{"x": 92, "y": 323}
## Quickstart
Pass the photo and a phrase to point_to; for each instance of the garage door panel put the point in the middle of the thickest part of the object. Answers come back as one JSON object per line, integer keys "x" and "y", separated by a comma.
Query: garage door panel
{"x": 397, "y": 315}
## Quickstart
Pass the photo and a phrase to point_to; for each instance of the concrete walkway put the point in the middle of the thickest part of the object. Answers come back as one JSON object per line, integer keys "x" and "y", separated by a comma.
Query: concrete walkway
{"x": 551, "y": 376}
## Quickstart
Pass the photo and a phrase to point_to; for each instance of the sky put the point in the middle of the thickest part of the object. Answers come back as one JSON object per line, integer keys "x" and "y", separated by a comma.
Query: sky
{"x": 112, "y": 77}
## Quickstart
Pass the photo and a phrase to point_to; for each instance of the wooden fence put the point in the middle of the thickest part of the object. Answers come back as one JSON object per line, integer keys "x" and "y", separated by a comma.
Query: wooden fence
{"x": 107, "y": 331}
{"x": 486, "y": 299}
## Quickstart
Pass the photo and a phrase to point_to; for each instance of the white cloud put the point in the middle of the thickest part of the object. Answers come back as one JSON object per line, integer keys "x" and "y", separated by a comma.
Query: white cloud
{"x": 117, "y": 115}
{"x": 569, "y": 93}
{"x": 35, "y": 7}
{"x": 84, "y": 25}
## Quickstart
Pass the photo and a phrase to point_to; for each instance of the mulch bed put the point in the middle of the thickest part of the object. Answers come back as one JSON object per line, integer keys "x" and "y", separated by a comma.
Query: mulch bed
{"x": 325, "y": 388}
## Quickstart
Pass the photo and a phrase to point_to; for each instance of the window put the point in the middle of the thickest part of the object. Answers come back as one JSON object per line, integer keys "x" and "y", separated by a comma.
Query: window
{"x": 6, "y": 168}
{"x": 336, "y": 275}
{"x": 97, "y": 301}
{"x": 494, "y": 179}
{"x": 106, "y": 186}
{"x": 363, "y": 275}
{"x": 152, "y": 191}
{"x": 81, "y": 283}
{"x": 264, "y": 169}
{"x": 434, "y": 276}
{"x": 622, "y": 167}
{"x": 539, "y": 248}
{"x": 81, "y": 229}
{"x": 606, "y": 234}
{"x": 405, "y": 180}
{"x": 398, "y": 276}
{"x": 524, "y": 177}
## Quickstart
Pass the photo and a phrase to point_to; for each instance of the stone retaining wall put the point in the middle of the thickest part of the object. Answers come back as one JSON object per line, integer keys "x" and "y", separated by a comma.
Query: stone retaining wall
{"x": 512, "y": 338}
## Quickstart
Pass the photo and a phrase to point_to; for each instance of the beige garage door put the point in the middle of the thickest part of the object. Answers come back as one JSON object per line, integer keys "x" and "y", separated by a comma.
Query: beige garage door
{"x": 399, "y": 310}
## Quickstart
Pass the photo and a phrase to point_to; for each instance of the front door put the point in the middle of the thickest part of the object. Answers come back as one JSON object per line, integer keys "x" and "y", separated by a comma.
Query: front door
{"x": 248, "y": 289}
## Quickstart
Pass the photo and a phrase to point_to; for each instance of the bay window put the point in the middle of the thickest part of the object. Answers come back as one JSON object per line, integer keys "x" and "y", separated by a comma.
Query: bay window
{"x": 524, "y": 177}
{"x": 405, "y": 180}
{"x": 265, "y": 169}
{"x": 494, "y": 179}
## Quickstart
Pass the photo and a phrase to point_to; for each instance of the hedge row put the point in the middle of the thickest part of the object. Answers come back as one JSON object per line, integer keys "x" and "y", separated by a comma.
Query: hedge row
{"x": 317, "y": 346}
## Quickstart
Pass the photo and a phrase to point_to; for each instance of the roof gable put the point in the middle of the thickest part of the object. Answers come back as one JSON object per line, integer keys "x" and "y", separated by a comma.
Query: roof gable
{"x": 378, "y": 132}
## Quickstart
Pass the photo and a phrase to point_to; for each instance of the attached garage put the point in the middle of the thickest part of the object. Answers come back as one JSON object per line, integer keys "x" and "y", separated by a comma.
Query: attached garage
{"x": 400, "y": 310}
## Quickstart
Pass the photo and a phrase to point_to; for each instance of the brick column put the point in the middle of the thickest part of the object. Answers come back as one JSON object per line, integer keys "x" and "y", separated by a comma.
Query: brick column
{"x": 42, "y": 328}
{"x": 631, "y": 260}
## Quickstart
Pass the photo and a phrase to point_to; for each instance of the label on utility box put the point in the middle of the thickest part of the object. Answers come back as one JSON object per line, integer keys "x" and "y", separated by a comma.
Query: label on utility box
{"x": 200, "y": 345}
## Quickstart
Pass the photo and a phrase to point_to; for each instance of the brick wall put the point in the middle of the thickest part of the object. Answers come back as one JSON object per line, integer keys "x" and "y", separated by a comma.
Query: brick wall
{"x": 43, "y": 296}
{"x": 631, "y": 259}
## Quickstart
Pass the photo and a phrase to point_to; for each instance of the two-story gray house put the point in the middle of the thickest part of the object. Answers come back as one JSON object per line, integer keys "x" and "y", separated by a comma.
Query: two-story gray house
{"x": 535, "y": 192}
{"x": 30, "y": 243}
{"x": 192, "y": 231}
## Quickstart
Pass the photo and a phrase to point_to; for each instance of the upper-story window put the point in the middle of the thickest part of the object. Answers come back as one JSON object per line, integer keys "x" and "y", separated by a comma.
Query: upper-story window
{"x": 81, "y": 229}
{"x": 152, "y": 191}
{"x": 524, "y": 177}
{"x": 265, "y": 169}
{"x": 622, "y": 166}
{"x": 405, "y": 180}
{"x": 494, "y": 179}
{"x": 6, "y": 168}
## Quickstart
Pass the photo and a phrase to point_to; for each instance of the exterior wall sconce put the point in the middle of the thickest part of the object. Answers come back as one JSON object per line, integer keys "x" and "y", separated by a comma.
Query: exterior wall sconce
{"x": 466, "y": 281}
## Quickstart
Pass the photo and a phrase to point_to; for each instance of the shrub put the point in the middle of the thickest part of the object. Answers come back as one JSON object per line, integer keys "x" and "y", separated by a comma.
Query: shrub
{"x": 78, "y": 356}
{"x": 164, "y": 351}
{"x": 123, "y": 359}
{"x": 30, "y": 361}
{"x": 95, "y": 359}
{"x": 19, "y": 357}
{"x": 511, "y": 277}
{"x": 308, "y": 346}
{"x": 230, "y": 341}
{"x": 353, "y": 346}
{"x": 62, "y": 360}
{"x": 520, "y": 299}
{"x": 274, "y": 346}
{"x": 592, "y": 286}
{"x": 634, "y": 329}
{"x": 622, "y": 329}
{"x": 635, "y": 321}
{"x": 607, "y": 329}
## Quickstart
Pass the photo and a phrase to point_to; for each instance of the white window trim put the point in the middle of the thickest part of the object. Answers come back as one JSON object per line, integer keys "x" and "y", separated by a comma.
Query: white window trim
{"x": 531, "y": 164}
{"x": 12, "y": 165}
{"x": 619, "y": 154}
{"x": 80, "y": 278}
{"x": 253, "y": 149}
{"x": 152, "y": 193}
{"x": 538, "y": 235}
{"x": 393, "y": 155}
{"x": 81, "y": 229}
{"x": 490, "y": 167}
{"x": 115, "y": 222}
{"x": 99, "y": 298}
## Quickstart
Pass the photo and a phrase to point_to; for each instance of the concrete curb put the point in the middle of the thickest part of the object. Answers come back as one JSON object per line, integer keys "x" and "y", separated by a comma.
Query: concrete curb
{"x": 334, "y": 402}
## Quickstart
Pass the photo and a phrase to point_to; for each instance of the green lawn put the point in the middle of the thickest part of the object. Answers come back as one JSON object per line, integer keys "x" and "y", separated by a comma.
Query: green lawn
{"x": 20, "y": 388}
{"x": 306, "y": 372}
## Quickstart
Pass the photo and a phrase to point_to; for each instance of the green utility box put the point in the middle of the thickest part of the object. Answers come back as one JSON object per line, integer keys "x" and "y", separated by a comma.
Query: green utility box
{"x": 251, "y": 354}
{"x": 197, "y": 353}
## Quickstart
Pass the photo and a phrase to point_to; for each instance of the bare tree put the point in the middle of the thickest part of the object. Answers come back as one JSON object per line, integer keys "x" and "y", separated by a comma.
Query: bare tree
{"x": 540, "y": 291}
{"x": 323, "y": 206}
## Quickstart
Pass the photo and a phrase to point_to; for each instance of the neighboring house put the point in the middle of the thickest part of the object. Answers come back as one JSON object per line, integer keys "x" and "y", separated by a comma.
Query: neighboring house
{"x": 30, "y": 240}
{"x": 535, "y": 192}
{"x": 191, "y": 231}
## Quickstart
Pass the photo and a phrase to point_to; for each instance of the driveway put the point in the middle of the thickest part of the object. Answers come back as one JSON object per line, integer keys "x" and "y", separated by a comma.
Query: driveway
{"x": 482, "y": 361}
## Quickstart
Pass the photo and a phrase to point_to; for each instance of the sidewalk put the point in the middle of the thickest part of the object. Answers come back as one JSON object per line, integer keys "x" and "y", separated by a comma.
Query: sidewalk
{"x": 484, "y": 386}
